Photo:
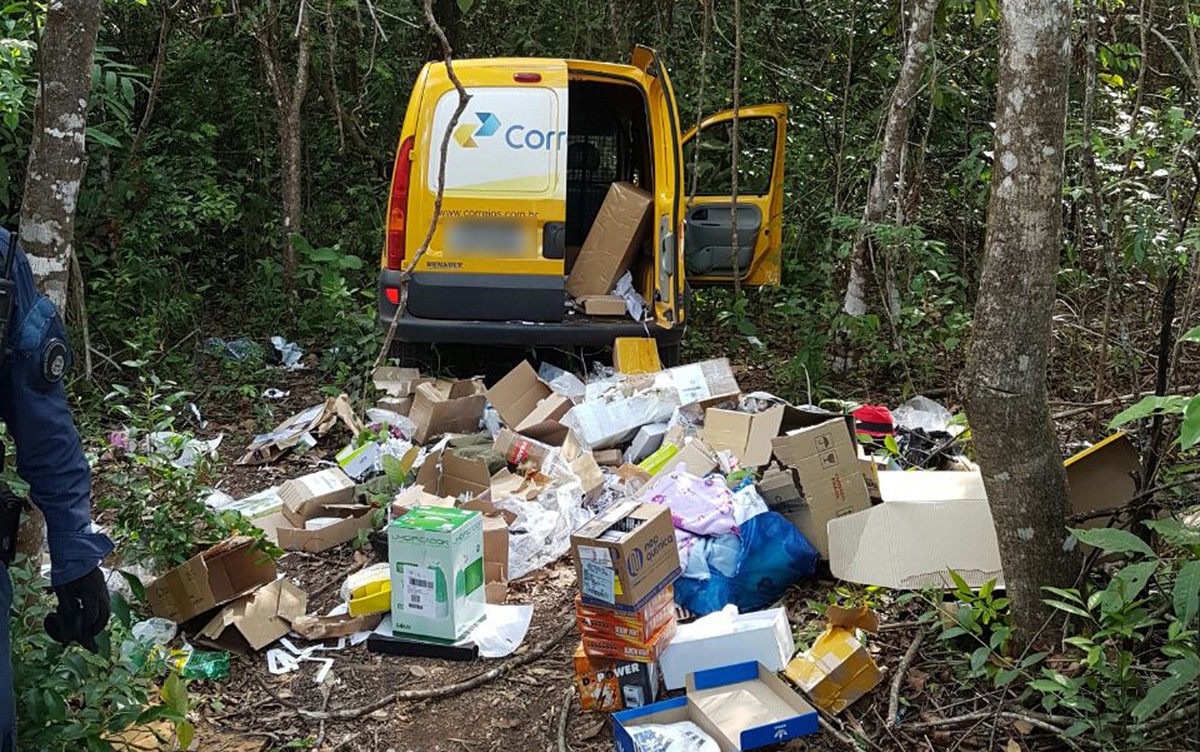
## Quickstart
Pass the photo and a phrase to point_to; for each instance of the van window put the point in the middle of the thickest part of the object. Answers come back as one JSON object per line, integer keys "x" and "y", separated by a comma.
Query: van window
{"x": 756, "y": 146}
{"x": 508, "y": 141}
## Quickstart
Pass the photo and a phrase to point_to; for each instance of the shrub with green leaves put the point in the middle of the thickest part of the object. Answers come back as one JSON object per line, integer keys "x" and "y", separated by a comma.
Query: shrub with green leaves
{"x": 70, "y": 699}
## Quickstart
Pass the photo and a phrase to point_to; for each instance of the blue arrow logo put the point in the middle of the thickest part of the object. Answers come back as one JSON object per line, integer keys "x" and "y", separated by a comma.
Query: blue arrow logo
{"x": 489, "y": 124}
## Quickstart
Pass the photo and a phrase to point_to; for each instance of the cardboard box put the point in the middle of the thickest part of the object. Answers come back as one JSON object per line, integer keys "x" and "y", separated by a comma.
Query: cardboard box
{"x": 606, "y": 685}
{"x": 351, "y": 519}
{"x": 636, "y": 355}
{"x": 528, "y": 406}
{"x": 837, "y": 669}
{"x": 447, "y": 407}
{"x": 624, "y": 556}
{"x": 436, "y": 560}
{"x": 825, "y": 459}
{"x": 1104, "y": 476}
{"x": 591, "y": 479}
{"x": 302, "y": 429}
{"x": 444, "y": 473}
{"x": 304, "y": 496}
{"x": 608, "y": 457}
{"x": 627, "y": 649}
{"x": 741, "y": 706}
{"x": 704, "y": 383}
{"x": 495, "y": 558}
{"x": 639, "y": 626}
{"x": 719, "y": 638}
{"x": 603, "y": 305}
{"x": 929, "y": 522}
{"x": 256, "y": 620}
{"x": 398, "y": 405}
{"x": 616, "y": 235}
{"x": 747, "y": 435}
{"x": 416, "y": 496}
{"x": 215, "y": 577}
{"x": 398, "y": 382}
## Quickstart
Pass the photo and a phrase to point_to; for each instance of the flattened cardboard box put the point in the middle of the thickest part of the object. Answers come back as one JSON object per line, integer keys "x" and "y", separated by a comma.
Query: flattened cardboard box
{"x": 624, "y": 556}
{"x": 447, "y": 407}
{"x": 613, "y": 241}
{"x": 302, "y": 497}
{"x": 256, "y": 620}
{"x": 826, "y": 461}
{"x": 210, "y": 579}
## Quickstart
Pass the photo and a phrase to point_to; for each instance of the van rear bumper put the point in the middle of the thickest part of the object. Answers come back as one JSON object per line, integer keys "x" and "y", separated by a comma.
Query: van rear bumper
{"x": 581, "y": 332}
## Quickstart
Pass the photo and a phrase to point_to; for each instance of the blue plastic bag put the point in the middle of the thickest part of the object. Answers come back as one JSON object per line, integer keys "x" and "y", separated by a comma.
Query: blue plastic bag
{"x": 774, "y": 556}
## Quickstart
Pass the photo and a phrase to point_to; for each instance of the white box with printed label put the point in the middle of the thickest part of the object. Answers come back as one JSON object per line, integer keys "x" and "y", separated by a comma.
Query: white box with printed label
{"x": 436, "y": 559}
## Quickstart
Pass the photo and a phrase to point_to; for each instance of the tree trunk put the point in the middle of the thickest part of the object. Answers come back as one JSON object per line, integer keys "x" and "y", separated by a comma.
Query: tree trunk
{"x": 1006, "y": 368}
{"x": 882, "y": 192}
{"x": 289, "y": 100}
{"x": 57, "y": 153}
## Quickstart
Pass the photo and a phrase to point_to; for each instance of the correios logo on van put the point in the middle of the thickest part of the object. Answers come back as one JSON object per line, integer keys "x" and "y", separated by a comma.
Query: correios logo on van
{"x": 516, "y": 136}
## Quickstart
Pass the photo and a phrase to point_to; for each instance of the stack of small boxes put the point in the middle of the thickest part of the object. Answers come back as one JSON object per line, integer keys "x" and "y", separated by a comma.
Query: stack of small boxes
{"x": 626, "y": 560}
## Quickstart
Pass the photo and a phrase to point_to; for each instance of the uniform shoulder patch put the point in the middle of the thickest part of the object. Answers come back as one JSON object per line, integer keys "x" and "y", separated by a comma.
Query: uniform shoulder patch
{"x": 54, "y": 360}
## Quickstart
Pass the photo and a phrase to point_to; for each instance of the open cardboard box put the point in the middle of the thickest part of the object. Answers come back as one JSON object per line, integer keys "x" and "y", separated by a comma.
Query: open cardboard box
{"x": 444, "y": 473}
{"x": 528, "y": 406}
{"x": 303, "y": 496}
{"x": 747, "y": 435}
{"x": 398, "y": 385}
{"x": 351, "y": 520}
{"x": 447, "y": 407}
{"x": 256, "y": 620}
{"x": 824, "y": 459}
{"x": 217, "y": 576}
{"x": 741, "y": 706}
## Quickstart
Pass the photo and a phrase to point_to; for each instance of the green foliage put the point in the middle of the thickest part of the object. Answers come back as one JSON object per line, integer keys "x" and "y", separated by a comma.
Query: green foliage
{"x": 70, "y": 699}
{"x": 980, "y": 620}
{"x": 159, "y": 515}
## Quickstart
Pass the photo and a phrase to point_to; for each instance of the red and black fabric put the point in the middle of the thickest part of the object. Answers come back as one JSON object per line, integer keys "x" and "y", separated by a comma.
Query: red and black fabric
{"x": 875, "y": 421}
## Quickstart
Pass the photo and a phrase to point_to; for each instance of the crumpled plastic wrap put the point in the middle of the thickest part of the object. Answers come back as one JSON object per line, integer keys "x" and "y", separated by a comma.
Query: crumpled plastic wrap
{"x": 922, "y": 412}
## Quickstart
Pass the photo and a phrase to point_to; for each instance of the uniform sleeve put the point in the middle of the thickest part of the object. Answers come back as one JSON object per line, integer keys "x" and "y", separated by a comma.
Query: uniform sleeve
{"x": 33, "y": 404}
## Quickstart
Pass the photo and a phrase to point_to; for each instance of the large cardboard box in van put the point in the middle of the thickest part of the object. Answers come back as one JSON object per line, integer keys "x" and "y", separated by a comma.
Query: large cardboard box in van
{"x": 612, "y": 242}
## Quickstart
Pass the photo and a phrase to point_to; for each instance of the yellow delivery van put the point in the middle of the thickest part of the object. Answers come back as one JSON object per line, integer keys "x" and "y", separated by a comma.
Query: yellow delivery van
{"x": 565, "y": 217}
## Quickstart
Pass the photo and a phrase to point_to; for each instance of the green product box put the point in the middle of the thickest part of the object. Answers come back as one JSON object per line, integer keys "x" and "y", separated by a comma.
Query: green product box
{"x": 436, "y": 560}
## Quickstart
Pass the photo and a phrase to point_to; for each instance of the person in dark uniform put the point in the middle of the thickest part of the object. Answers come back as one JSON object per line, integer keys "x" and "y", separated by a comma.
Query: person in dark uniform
{"x": 33, "y": 405}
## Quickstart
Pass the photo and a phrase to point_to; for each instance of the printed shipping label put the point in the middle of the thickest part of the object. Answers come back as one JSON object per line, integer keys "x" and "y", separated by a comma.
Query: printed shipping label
{"x": 690, "y": 383}
{"x": 599, "y": 582}
{"x": 420, "y": 591}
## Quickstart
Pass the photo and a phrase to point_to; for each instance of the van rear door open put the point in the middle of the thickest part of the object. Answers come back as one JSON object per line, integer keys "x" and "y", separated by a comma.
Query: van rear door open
{"x": 497, "y": 251}
{"x": 762, "y": 135}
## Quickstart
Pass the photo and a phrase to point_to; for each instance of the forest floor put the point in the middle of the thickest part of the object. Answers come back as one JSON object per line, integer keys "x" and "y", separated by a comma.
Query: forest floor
{"x": 533, "y": 706}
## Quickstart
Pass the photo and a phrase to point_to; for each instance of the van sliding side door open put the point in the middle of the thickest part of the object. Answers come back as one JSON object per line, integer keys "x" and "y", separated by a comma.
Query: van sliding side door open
{"x": 497, "y": 252}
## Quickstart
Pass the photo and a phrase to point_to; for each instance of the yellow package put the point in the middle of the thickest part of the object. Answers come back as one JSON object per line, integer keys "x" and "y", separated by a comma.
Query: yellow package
{"x": 837, "y": 669}
{"x": 634, "y": 355}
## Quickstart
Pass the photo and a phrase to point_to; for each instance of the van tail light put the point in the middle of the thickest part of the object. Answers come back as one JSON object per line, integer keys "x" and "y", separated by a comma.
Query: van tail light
{"x": 397, "y": 224}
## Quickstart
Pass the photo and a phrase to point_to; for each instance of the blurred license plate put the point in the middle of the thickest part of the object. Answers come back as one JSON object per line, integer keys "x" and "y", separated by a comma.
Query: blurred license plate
{"x": 485, "y": 238}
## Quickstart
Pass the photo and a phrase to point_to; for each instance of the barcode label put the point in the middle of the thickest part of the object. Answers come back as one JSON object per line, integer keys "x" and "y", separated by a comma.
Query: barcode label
{"x": 419, "y": 590}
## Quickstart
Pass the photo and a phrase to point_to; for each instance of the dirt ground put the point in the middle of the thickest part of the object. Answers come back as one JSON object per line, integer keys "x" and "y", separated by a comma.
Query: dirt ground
{"x": 532, "y": 706}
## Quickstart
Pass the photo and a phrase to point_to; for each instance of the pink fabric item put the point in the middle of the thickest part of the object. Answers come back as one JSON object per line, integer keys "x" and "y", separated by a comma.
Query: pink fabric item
{"x": 699, "y": 506}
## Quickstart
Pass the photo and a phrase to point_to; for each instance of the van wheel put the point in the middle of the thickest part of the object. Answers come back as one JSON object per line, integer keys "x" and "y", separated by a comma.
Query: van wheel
{"x": 670, "y": 355}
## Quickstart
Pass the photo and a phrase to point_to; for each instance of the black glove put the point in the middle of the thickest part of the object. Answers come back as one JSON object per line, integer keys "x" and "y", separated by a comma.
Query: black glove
{"x": 82, "y": 611}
